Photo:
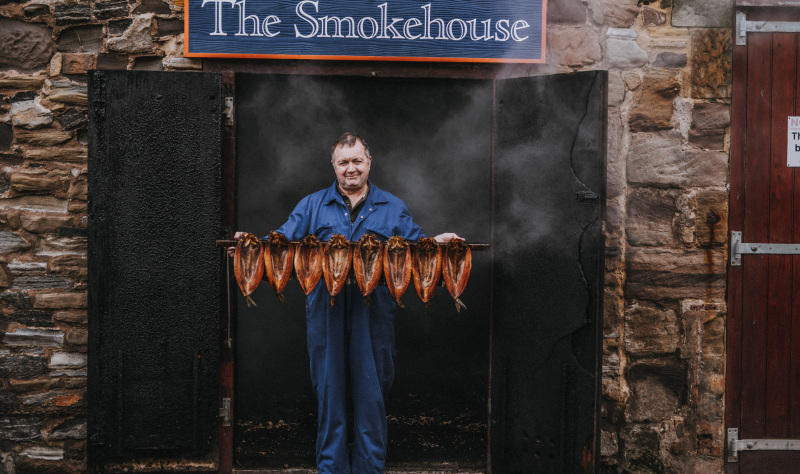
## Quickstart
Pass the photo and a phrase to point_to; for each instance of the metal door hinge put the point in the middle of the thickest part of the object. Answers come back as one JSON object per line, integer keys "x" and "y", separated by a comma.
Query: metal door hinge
{"x": 739, "y": 248}
{"x": 227, "y": 112}
{"x": 743, "y": 27}
{"x": 225, "y": 412}
{"x": 736, "y": 445}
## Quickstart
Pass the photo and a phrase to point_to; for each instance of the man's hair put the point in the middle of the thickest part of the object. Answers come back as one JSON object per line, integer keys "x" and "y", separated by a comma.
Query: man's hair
{"x": 349, "y": 139}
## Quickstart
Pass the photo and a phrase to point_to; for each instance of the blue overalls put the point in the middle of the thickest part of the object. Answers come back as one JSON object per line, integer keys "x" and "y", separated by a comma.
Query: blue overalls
{"x": 348, "y": 342}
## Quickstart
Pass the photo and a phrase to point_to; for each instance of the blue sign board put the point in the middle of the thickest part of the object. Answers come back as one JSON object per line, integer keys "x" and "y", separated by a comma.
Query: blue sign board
{"x": 407, "y": 30}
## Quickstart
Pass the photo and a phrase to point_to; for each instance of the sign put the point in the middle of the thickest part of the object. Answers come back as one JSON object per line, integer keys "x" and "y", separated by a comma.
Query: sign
{"x": 399, "y": 30}
{"x": 793, "y": 136}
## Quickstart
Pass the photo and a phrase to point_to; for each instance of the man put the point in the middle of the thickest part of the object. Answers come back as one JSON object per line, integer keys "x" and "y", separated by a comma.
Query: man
{"x": 351, "y": 343}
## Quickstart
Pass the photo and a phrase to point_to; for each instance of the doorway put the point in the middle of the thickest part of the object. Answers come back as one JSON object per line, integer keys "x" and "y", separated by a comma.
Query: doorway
{"x": 431, "y": 146}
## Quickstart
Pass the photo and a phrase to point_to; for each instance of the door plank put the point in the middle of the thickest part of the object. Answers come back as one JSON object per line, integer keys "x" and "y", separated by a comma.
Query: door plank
{"x": 794, "y": 364}
{"x": 756, "y": 225}
{"x": 780, "y": 212}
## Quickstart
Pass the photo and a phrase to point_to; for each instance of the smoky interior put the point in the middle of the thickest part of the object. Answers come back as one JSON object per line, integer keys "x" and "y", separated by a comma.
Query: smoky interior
{"x": 431, "y": 146}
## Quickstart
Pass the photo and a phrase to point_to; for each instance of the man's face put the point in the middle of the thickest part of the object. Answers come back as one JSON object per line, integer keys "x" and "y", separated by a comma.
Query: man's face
{"x": 351, "y": 166}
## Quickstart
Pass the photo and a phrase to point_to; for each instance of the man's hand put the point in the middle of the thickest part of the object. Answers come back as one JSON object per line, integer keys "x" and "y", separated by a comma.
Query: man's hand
{"x": 236, "y": 237}
{"x": 446, "y": 237}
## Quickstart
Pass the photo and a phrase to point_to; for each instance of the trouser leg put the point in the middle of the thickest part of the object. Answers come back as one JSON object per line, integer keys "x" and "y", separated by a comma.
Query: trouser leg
{"x": 327, "y": 335}
{"x": 372, "y": 374}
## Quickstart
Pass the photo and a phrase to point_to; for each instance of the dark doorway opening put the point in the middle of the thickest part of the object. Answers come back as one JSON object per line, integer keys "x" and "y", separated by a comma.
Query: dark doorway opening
{"x": 431, "y": 142}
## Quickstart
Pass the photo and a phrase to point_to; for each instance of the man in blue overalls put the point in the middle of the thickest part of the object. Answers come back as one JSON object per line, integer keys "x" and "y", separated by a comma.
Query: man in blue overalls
{"x": 350, "y": 342}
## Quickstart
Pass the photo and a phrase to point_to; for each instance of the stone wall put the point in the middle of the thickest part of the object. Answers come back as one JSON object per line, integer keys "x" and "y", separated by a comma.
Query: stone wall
{"x": 669, "y": 65}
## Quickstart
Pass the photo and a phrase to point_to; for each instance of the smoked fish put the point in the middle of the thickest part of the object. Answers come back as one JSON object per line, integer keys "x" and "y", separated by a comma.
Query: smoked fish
{"x": 457, "y": 263}
{"x": 308, "y": 257}
{"x": 368, "y": 264}
{"x": 397, "y": 267}
{"x": 248, "y": 265}
{"x": 427, "y": 265}
{"x": 278, "y": 258}
{"x": 337, "y": 262}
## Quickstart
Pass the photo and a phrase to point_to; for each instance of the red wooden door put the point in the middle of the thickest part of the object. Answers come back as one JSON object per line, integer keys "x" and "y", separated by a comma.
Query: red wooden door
{"x": 763, "y": 339}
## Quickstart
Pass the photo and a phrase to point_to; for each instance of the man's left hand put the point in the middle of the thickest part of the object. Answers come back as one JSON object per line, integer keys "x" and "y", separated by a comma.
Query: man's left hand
{"x": 446, "y": 237}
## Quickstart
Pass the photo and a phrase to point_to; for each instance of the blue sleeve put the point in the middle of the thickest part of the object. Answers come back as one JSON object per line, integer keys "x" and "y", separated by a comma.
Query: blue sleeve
{"x": 406, "y": 226}
{"x": 296, "y": 227}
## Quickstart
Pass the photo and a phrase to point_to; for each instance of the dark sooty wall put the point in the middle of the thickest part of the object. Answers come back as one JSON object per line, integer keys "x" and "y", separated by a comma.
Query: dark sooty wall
{"x": 431, "y": 146}
{"x": 154, "y": 272}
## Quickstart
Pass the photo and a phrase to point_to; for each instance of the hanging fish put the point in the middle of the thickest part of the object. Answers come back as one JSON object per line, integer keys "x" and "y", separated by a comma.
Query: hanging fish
{"x": 248, "y": 265}
{"x": 457, "y": 263}
{"x": 397, "y": 267}
{"x": 308, "y": 257}
{"x": 278, "y": 257}
{"x": 367, "y": 264}
{"x": 427, "y": 265}
{"x": 336, "y": 265}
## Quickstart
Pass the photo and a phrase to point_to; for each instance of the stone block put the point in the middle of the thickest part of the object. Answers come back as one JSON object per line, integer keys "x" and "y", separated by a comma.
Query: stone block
{"x": 34, "y": 337}
{"x": 41, "y": 399}
{"x": 40, "y": 184}
{"x": 71, "y": 155}
{"x": 657, "y": 159}
{"x": 642, "y": 449}
{"x": 664, "y": 274}
{"x": 670, "y": 60}
{"x": 79, "y": 190}
{"x": 705, "y": 14}
{"x": 184, "y": 63}
{"x": 69, "y": 373}
{"x": 152, "y": 6}
{"x": 81, "y": 39}
{"x": 111, "y": 9}
{"x": 573, "y": 46}
{"x": 34, "y": 10}
{"x": 66, "y": 14}
{"x": 78, "y": 63}
{"x": 22, "y": 366}
{"x": 653, "y": 108}
{"x": 650, "y": 216}
{"x": 21, "y": 268}
{"x": 9, "y": 402}
{"x": 24, "y": 47}
{"x": 41, "y": 224}
{"x": 61, "y": 359}
{"x": 60, "y": 300}
{"x": 5, "y": 277}
{"x": 112, "y": 61}
{"x": 712, "y": 63}
{"x": 148, "y": 63}
{"x": 20, "y": 81}
{"x": 55, "y": 65}
{"x": 44, "y": 453}
{"x": 73, "y": 428}
{"x": 622, "y": 50}
{"x": 77, "y": 337}
{"x": 54, "y": 246}
{"x": 38, "y": 319}
{"x": 619, "y": 14}
{"x": 41, "y": 137}
{"x": 709, "y": 123}
{"x": 711, "y": 222}
{"x": 72, "y": 118}
{"x": 609, "y": 444}
{"x": 29, "y": 114}
{"x": 653, "y": 17}
{"x": 17, "y": 299}
{"x": 651, "y": 330}
{"x": 37, "y": 203}
{"x": 566, "y": 11}
{"x": 11, "y": 242}
{"x": 71, "y": 317}
{"x": 167, "y": 27}
{"x": 41, "y": 282}
{"x": 20, "y": 428}
{"x": 136, "y": 39}
{"x": 24, "y": 95}
{"x": 616, "y": 163}
{"x": 68, "y": 93}
{"x": 658, "y": 389}
{"x": 119, "y": 26}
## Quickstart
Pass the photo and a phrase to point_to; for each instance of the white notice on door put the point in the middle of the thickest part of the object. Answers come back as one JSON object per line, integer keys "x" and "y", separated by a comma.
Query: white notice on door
{"x": 793, "y": 137}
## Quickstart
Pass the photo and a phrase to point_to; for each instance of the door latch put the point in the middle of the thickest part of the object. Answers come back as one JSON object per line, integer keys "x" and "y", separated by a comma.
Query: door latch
{"x": 225, "y": 412}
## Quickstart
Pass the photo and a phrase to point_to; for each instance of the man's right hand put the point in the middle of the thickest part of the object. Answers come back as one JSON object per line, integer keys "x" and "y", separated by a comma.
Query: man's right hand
{"x": 237, "y": 236}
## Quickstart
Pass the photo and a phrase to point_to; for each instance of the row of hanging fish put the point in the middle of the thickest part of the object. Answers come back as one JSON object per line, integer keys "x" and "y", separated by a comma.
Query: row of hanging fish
{"x": 398, "y": 260}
